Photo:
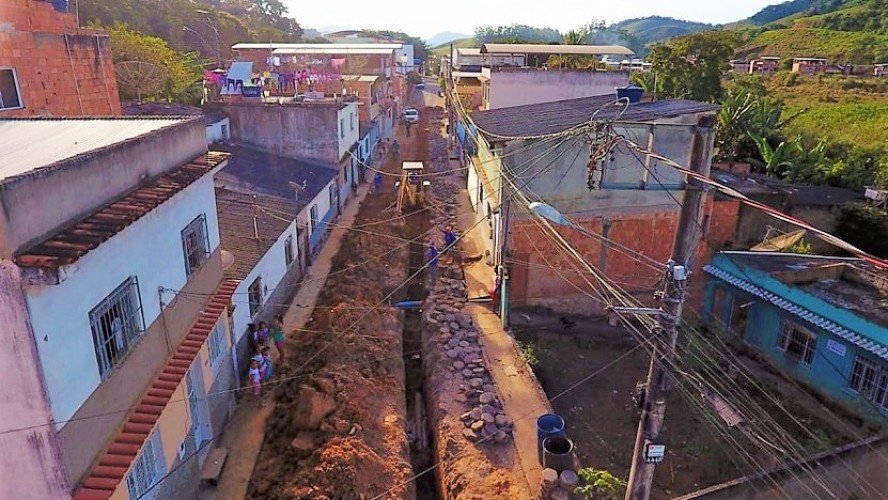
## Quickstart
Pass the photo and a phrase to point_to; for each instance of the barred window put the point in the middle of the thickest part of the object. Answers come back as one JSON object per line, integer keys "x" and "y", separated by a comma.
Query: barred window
{"x": 218, "y": 344}
{"x": 870, "y": 381}
{"x": 148, "y": 469}
{"x": 797, "y": 342}
{"x": 254, "y": 295}
{"x": 288, "y": 251}
{"x": 117, "y": 324}
{"x": 195, "y": 244}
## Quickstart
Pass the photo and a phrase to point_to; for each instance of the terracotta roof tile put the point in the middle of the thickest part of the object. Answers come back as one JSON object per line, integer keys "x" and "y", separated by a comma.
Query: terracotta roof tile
{"x": 78, "y": 238}
{"x": 106, "y": 476}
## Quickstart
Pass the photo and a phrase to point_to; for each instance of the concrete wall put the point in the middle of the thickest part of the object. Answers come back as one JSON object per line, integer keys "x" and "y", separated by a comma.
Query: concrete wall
{"x": 853, "y": 471}
{"x": 516, "y": 87}
{"x": 36, "y": 205}
{"x": 753, "y": 225}
{"x": 313, "y": 131}
{"x": 62, "y": 70}
{"x": 31, "y": 461}
{"x": 151, "y": 250}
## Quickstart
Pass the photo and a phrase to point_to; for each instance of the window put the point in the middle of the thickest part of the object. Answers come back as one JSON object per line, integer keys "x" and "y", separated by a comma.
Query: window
{"x": 254, "y": 295}
{"x": 351, "y": 121}
{"x": 870, "y": 381}
{"x": 739, "y": 315}
{"x": 195, "y": 244}
{"x": 313, "y": 214}
{"x": 116, "y": 324}
{"x": 148, "y": 469}
{"x": 217, "y": 345}
{"x": 333, "y": 195}
{"x": 797, "y": 342}
{"x": 342, "y": 128}
{"x": 224, "y": 132}
{"x": 288, "y": 251}
{"x": 10, "y": 97}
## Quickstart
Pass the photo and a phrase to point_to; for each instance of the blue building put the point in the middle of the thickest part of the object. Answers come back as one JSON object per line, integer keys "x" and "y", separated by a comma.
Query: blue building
{"x": 820, "y": 320}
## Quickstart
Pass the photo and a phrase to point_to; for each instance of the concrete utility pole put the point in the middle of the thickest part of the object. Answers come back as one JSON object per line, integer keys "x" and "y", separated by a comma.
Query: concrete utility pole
{"x": 648, "y": 450}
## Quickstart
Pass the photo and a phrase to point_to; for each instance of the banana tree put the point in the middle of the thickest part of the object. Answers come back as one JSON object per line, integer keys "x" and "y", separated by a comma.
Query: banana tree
{"x": 777, "y": 160}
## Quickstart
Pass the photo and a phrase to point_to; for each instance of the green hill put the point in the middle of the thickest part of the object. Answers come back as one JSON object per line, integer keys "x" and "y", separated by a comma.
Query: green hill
{"x": 654, "y": 29}
{"x": 846, "y": 47}
{"x": 462, "y": 43}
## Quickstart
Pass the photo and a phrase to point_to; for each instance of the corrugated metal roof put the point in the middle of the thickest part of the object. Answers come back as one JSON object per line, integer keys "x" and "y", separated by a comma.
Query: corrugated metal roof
{"x": 33, "y": 143}
{"x": 361, "y": 78}
{"x": 335, "y": 46}
{"x": 468, "y": 51}
{"x": 111, "y": 469}
{"x": 552, "y": 117}
{"x": 334, "y": 50}
{"x": 526, "y": 48}
{"x": 857, "y": 339}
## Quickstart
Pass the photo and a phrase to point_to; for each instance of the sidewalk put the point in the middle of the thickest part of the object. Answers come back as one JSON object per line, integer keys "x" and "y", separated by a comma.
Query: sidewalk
{"x": 245, "y": 432}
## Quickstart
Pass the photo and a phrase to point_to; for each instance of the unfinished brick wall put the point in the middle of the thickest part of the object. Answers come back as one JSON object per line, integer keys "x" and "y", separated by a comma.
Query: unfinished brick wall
{"x": 544, "y": 275}
{"x": 61, "y": 70}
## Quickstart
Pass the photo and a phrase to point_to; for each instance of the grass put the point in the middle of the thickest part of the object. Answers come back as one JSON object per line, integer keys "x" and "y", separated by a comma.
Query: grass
{"x": 462, "y": 43}
{"x": 837, "y": 46}
{"x": 859, "y": 124}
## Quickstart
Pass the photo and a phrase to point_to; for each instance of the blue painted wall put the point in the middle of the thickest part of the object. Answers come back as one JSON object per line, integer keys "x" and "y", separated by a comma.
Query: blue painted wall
{"x": 829, "y": 373}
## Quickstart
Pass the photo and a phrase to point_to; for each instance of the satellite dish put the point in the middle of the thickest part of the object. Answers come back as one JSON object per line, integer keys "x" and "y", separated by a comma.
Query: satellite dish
{"x": 139, "y": 78}
{"x": 779, "y": 243}
{"x": 227, "y": 260}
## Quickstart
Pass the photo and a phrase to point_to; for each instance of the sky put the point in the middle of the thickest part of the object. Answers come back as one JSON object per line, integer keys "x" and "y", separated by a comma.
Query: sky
{"x": 425, "y": 18}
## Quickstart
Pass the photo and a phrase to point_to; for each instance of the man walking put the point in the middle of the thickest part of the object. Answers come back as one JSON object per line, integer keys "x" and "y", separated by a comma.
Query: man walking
{"x": 433, "y": 261}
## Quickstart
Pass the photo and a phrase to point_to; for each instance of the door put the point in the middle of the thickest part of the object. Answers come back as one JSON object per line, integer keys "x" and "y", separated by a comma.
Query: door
{"x": 199, "y": 408}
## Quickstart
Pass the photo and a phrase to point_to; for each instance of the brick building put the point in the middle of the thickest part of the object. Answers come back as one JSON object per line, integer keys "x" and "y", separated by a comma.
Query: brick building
{"x": 51, "y": 67}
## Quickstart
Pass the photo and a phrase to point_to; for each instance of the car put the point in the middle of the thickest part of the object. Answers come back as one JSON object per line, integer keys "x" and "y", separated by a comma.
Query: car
{"x": 420, "y": 85}
{"x": 411, "y": 115}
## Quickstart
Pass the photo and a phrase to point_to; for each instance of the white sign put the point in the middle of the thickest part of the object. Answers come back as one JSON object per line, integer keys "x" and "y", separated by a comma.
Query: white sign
{"x": 654, "y": 453}
{"x": 836, "y": 347}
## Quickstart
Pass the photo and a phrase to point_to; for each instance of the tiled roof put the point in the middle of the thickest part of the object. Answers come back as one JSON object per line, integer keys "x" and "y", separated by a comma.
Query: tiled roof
{"x": 111, "y": 469}
{"x": 236, "y": 213}
{"x": 76, "y": 240}
{"x": 552, "y": 117}
{"x": 34, "y": 143}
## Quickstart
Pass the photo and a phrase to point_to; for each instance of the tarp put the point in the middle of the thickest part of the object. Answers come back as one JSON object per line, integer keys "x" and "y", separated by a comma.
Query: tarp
{"x": 238, "y": 75}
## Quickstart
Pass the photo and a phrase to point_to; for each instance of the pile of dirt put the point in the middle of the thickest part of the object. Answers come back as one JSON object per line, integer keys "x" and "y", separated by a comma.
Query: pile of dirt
{"x": 338, "y": 428}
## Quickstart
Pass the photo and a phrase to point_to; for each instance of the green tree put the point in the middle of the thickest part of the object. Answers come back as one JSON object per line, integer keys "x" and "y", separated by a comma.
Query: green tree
{"x": 776, "y": 160}
{"x": 692, "y": 67}
{"x": 179, "y": 72}
{"x": 600, "y": 485}
{"x": 570, "y": 61}
{"x": 745, "y": 114}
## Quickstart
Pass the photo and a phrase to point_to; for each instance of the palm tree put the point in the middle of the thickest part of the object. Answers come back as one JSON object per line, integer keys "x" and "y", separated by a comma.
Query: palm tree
{"x": 567, "y": 61}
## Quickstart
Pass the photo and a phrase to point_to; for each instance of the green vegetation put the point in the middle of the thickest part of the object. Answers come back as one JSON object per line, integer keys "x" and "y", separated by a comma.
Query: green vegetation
{"x": 600, "y": 485}
{"x": 527, "y": 353}
{"x": 516, "y": 33}
{"x": 656, "y": 28}
{"x": 845, "y": 47}
{"x": 865, "y": 227}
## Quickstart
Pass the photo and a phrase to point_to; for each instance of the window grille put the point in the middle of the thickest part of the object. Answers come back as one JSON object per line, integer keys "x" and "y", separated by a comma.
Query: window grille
{"x": 195, "y": 244}
{"x": 117, "y": 324}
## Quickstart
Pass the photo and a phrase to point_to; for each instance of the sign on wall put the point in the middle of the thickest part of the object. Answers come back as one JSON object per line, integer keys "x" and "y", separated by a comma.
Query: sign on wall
{"x": 836, "y": 347}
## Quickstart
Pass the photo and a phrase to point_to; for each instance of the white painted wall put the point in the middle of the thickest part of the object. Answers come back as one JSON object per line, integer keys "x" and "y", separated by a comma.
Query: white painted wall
{"x": 509, "y": 88}
{"x": 348, "y": 136}
{"x": 151, "y": 250}
{"x": 404, "y": 59}
{"x": 215, "y": 132}
{"x": 272, "y": 266}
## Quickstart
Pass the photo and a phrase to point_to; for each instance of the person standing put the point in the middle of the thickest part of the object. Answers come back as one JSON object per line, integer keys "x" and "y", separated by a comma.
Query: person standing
{"x": 449, "y": 242}
{"x": 433, "y": 261}
{"x": 277, "y": 334}
{"x": 396, "y": 148}
{"x": 266, "y": 359}
{"x": 256, "y": 381}
{"x": 377, "y": 182}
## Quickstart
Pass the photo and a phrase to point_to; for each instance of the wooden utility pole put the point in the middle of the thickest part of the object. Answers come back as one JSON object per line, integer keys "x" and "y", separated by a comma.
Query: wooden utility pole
{"x": 648, "y": 450}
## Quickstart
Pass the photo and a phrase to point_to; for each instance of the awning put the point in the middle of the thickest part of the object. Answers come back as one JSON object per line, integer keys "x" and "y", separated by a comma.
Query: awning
{"x": 815, "y": 319}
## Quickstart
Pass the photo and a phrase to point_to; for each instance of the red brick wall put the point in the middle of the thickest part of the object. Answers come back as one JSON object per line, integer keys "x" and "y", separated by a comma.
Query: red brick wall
{"x": 552, "y": 279}
{"x": 33, "y": 41}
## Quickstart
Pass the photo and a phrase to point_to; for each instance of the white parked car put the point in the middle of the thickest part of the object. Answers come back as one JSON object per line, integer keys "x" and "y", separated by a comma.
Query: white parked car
{"x": 411, "y": 115}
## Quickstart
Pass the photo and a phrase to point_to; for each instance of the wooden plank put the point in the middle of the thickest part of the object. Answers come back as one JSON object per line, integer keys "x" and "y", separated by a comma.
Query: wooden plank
{"x": 212, "y": 468}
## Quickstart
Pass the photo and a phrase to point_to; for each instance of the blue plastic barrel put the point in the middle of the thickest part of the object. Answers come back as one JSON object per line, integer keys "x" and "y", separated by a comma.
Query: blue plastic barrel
{"x": 548, "y": 425}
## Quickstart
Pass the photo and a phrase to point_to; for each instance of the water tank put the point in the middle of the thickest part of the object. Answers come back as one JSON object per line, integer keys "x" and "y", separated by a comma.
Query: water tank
{"x": 630, "y": 92}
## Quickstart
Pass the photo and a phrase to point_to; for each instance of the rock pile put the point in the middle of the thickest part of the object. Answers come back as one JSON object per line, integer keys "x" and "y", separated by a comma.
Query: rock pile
{"x": 457, "y": 338}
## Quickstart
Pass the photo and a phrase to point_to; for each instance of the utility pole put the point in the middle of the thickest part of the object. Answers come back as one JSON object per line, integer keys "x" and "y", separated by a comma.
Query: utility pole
{"x": 648, "y": 450}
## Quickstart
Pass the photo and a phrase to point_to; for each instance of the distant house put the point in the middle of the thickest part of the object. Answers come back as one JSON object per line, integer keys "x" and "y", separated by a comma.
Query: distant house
{"x": 739, "y": 66}
{"x": 764, "y": 66}
{"x": 880, "y": 70}
{"x": 809, "y": 65}
{"x": 820, "y": 320}
{"x": 217, "y": 124}
{"x": 273, "y": 217}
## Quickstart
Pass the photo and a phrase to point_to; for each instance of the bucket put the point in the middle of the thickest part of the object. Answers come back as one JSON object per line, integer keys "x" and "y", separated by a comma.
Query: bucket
{"x": 558, "y": 453}
{"x": 548, "y": 425}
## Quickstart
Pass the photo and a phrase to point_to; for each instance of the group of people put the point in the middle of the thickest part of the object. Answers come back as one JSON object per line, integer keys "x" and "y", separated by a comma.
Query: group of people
{"x": 261, "y": 337}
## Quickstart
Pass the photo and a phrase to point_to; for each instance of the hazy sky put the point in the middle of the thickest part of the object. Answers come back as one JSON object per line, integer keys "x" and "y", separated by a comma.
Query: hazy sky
{"x": 425, "y": 18}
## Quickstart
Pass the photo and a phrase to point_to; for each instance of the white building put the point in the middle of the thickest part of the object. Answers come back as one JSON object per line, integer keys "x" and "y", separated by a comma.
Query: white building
{"x": 114, "y": 305}
{"x": 273, "y": 218}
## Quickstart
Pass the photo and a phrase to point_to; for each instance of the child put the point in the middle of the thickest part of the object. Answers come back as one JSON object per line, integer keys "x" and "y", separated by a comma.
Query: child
{"x": 259, "y": 358}
{"x": 256, "y": 381}
{"x": 266, "y": 358}
{"x": 262, "y": 334}
{"x": 277, "y": 334}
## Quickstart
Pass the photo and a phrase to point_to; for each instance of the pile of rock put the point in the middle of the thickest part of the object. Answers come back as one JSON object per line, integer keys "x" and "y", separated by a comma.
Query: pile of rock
{"x": 558, "y": 486}
{"x": 457, "y": 337}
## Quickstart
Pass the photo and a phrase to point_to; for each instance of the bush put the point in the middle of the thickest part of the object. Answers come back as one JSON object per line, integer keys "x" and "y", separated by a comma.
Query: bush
{"x": 865, "y": 227}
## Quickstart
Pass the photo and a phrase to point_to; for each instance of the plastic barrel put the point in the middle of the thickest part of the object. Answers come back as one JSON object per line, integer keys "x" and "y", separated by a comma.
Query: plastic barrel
{"x": 558, "y": 453}
{"x": 548, "y": 425}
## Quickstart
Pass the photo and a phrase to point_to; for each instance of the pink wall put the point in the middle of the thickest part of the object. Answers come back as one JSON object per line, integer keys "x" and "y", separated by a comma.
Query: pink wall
{"x": 519, "y": 87}
{"x": 31, "y": 461}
